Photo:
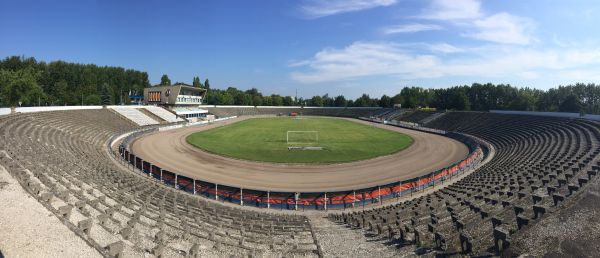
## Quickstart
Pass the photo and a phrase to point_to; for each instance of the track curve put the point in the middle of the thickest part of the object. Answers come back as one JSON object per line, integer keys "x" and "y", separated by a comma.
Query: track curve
{"x": 170, "y": 150}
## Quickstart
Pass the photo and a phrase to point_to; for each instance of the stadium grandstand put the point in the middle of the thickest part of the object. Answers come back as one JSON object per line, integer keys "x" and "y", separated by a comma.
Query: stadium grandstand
{"x": 307, "y": 128}
{"x": 520, "y": 170}
{"x": 181, "y": 99}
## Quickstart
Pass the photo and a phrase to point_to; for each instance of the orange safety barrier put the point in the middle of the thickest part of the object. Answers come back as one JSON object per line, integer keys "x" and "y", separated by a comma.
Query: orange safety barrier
{"x": 332, "y": 198}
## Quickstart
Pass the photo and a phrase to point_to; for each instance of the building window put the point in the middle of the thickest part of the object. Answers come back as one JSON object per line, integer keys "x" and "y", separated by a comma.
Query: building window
{"x": 154, "y": 96}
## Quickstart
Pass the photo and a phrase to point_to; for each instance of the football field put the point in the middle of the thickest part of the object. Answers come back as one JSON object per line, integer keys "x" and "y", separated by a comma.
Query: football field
{"x": 268, "y": 139}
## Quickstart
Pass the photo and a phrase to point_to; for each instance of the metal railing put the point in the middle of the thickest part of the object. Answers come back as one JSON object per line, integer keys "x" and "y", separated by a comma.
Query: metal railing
{"x": 478, "y": 150}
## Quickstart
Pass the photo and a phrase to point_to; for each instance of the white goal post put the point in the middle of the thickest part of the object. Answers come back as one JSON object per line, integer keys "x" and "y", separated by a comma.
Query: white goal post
{"x": 299, "y": 137}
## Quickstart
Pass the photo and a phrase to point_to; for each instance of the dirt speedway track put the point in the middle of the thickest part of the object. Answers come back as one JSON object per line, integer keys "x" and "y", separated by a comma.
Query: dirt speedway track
{"x": 169, "y": 150}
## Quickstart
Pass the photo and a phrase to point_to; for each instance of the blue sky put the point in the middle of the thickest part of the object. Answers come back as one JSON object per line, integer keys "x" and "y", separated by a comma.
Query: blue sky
{"x": 344, "y": 47}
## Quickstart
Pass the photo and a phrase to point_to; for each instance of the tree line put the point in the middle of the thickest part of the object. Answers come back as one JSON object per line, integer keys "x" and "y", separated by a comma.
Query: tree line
{"x": 476, "y": 97}
{"x": 27, "y": 82}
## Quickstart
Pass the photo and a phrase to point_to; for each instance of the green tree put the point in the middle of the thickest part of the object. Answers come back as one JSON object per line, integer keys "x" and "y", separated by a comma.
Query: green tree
{"x": 20, "y": 87}
{"x": 524, "y": 100}
{"x": 238, "y": 99}
{"x": 316, "y": 101}
{"x": 164, "y": 80}
{"x": 224, "y": 98}
{"x": 276, "y": 100}
{"x": 63, "y": 83}
{"x": 288, "y": 101}
{"x": 460, "y": 101}
{"x": 196, "y": 83}
{"x": 267, "y": 101}
{"x": 247, "y": 99}
{"x": 93, "y": 99}
{"x": 60, "y": 91}
{"x": 206, "y": 84}
{"x": 340, "y": 101}
{"x": 410, "y": 95}
{"x": 257, "y": 100}
{"x": 385, "y": 101}
{"x": 364, "y": 101}
{"x": 397, "y": 99}
{"x": 571, "y": 104}
{"x": 253, "y": 92}
{"x": 106, "y": 97}
{"x": 327, "y": 101}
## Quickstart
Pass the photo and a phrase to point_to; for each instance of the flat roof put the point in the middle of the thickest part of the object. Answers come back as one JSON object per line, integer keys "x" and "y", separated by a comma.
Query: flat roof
{"x": 178, "y": 86}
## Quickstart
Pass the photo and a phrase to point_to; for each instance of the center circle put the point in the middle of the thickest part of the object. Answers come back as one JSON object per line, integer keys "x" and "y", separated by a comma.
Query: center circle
{"x": 300, "y": 140}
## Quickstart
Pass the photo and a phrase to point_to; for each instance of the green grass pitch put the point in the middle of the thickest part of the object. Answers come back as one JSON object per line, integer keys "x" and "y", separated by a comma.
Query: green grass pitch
{"x": 264, "y": 139}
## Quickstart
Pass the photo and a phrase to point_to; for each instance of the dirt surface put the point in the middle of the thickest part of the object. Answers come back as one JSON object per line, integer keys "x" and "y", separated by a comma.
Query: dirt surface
{"x": 170, "y": 150}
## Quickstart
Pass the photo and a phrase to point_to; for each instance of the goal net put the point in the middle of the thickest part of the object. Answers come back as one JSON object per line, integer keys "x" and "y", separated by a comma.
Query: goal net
{"x": 302, "y": 137}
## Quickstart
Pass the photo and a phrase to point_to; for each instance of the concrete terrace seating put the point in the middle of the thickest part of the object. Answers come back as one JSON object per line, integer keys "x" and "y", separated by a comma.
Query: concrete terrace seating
{"x": 135, "y": 115}
{"x": 308, "y": 111}
{"x": 431, "y": 118}
{"x": 389, "y": 114}
{"x": 164, "y": 114}
{"x": 415, "y": 116}
{"x": 61, "y": 159}
{"x": 394, "y": 114}
{"x": 539, "y": 163}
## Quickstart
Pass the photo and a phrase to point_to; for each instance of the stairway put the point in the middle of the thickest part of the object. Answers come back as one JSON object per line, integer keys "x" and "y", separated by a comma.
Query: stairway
{"x": 431, "y": 118}
{"x": 338, "y": 240}
{"x": 153, "y": 116}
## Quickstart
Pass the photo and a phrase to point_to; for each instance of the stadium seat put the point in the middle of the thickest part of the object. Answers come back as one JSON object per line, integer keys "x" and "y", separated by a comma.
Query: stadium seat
{"x": 539, "y": 162}
{"x": 63, "y": 155}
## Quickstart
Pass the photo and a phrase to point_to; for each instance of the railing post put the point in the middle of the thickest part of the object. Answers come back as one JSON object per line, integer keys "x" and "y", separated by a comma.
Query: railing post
{"x": 242, "y": 196}
{"x": 268, "y": 199}
{"x": 325, "y": 201}
{"x": 176, "y": 185}
{"x": 363, "y": 200}
{"x": 379, "y": 195}
{"x": 194, "y": 182}
{"x": 217, "y": 192}
{"x": 353, "y": 198}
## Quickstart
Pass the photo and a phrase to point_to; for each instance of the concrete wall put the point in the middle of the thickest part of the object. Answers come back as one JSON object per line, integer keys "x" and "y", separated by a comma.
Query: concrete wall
{"x": 54, "y": 108}
{"x": 218, "y": 106}
{"x": 551, "y": 114}
{"x": 4, "y": 111}
{"x": 124, "y": 106}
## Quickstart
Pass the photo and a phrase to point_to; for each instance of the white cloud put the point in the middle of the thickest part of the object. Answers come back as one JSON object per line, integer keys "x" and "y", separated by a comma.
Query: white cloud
{"x": 452, "y": 10}
{"x": 322, "y": 8}
{"x": 580, "y": 75}
{"x": 504, "y": 28}
{"x": 410, "y": 28}
{"x": 445, "y": 48}
{"x": 362, "y": 59}
{"x": 560, "y": 42}
{"x": 529, "y": 75}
